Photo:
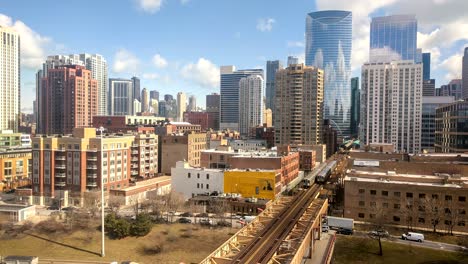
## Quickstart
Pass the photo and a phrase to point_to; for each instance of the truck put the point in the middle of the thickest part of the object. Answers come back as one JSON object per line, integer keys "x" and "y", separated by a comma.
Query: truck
{"x": 248, "y": 218}
{"x": 340, "y": 222}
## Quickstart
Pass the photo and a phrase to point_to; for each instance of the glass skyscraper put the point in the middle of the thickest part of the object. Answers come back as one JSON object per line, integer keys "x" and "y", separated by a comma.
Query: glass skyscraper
{"x": 271, "y": 68}
{"x": 426, "y": 60}
{"x": 328, "y": 46}
{"x": 393, "y": 38}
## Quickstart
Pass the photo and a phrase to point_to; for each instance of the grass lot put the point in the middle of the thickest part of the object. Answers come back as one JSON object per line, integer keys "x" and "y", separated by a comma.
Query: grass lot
{"x": 350, "y": 249}
{"x": 428, "y": 235}
{"x": 180, "y": 243}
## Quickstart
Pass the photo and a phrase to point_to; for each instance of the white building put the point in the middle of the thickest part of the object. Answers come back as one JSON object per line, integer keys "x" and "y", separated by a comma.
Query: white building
{"x": 195, "y": 181}
{"x": 120, "y": 97}
{"x": 136, "y": 106}
{"x": 181, "y": 105}
{"x": 250, "y": 103}
{"x": 10, "y": 94}
{"x": 391, "y": 103}
{"x": 192, "y": 105}
{"x": 248, "y": 144}
{"x": 98, "y": 67}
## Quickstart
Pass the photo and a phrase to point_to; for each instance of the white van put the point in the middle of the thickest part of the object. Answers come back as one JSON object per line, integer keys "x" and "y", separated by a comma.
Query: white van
{"x": 413, "y": 236}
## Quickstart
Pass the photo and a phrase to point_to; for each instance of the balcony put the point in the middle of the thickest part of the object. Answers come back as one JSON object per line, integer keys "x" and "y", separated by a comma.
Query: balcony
{"x": 91, "y": 150}
{"x": 92, "y": 158}
{"x": 60, "y": 150}
{"x": 134, "y": 145}
{"x": 60, "y": 158}
{"x": 92, "y": 175}
{"x": 134, "y": 151}
{"x": 134, "y": 159}
{"x": 134, "y": 172}
{"x": 91, "y": 184}
{"x": 60, "y": 184}
{"x": 60, "y": 166}
{"x": 60, "y": 175}
{"x": 91, "y": 167}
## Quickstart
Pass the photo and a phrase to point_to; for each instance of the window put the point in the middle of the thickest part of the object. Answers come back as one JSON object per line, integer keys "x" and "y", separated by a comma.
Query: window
{"x": 198, "y": 185}
{"x": 373, "y": 204}
{"x": 448, "y": 222}
{"x": 207, "y": 186}
{"x": 447, "y": 211}
{"x": 362, "y": 203}
{"x": 422, "y": 196}
{"x": 361, "y": 215}
{"x": 461, "y": 211}
{"x": 461, "y": 223}
{"x": 422, "y": 208}
{"x": 188, "y": 175}
{"x": 409, "y": 195}
{"x": 396, "y": 218}
{"x": 421, "y": 220}
{"x": 397, "y": 194}
{"x": 435, "y": 196}
{"x": 448, "y": 197}
{"x": 384, "y": 193}
{"x": 461, "y": 198}
{"x": 207, "y": 176}
{"x": 396, "y": 206}
{"x": 373, "y": 192}
{"x": 198, "y": 175}
{"x": 361, "y": 190}
{"x": 385, "y": 205}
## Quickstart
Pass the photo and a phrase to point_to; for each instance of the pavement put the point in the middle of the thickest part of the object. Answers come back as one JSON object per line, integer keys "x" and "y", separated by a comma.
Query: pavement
{"x": 425, "y": 244}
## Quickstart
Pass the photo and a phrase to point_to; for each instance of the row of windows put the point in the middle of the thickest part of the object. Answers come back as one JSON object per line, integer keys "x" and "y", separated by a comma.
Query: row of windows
{"x": 200, "y": 186}
{"x": 421, "y": 220}
{"x": 410, "y": 195}
{"x": 189, "y": 175}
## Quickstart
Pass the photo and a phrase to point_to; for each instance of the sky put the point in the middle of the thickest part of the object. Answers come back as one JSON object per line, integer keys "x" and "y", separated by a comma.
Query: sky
{"x": 178, "y": 45}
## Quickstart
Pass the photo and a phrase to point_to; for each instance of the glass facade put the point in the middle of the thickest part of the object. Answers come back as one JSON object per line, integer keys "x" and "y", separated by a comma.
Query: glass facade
{"x": 428, "y": 126}
{"x": 426, "y": 60}
{"x": 393, "y": 38}
{"x": 355, "y": 106}
{"x": 328, "y": 46}
{"x": 451, "y": 126}
{"x": 271, "y": 69}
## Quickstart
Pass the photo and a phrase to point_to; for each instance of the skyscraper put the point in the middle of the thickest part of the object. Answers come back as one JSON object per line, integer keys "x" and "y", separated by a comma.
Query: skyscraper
{"x": 144, "y": 100}
{"x": 393, "y": 38}
{"x": 181, "y": 105}
{"x": 355, "y": 106}
{"x": 292, "y": 60}
{"x": 453, "y": 88}
{"x": 391, "y": 100}
{"x": 154, "y": 95}
{"x": 229, "y": 104}
{"x": 428, "y": 87}
{"x": 250, "y": 103}
{"x": 465, "y": 73}
{"x": 69, "y": 99}
{"x": 10, "y": 93}
{"x": 120, "y": 97}
{"x": 136, "y": 88}
{"x": 98, "y": 67}
{"x": 168, "y": 97}
{"x": 299, "y": 105}
{"x": 428, "y": 121}
{"x": 426, "y": 61}
{"x": 271, "y": 68}
{"x": 328, "y": 47}
{"x": 212, "y": 108}
{"x": 192, "y": 105}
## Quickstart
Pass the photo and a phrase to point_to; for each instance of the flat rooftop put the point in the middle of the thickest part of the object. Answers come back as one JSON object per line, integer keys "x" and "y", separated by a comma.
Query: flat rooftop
{"x": 389, "y": 181}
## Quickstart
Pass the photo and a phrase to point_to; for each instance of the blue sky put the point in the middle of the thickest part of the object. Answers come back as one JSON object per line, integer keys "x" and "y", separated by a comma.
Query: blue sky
{"x": 178, "y": 45}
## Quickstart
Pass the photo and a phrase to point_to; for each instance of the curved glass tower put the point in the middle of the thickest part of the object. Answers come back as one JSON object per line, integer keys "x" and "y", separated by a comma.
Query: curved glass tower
{"x": 328, "y": 46}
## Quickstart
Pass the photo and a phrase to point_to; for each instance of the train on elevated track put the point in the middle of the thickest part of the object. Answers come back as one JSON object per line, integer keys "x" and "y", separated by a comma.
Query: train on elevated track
{"x": 319, "y": 176}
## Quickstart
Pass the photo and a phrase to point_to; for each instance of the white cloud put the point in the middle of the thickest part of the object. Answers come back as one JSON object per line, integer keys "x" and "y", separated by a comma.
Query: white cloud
{"x": 150, "y": 76}
{"x": 125, "y": 62}
{"x": 265, "y": 24}
{"x": 150, "y": 6}
{"x": 184, "y": 1}
{"x": 203, "y": 73}
{"x": 33, "y": 45}
{"x": 296, "y": 44}
{"x": 159, "y": 61}
{"x": 452, "y": 66}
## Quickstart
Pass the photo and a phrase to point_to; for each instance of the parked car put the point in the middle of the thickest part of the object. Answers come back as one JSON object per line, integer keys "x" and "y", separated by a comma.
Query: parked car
{"x": 381, "y": 233}
{"x": 53, "y": 207}
{"x": 184, "y": 220}
{"x": 205, "y": 221}
{"x": 345, "y": 231}
{"x": 203, "y": 215}
{"x": 325, "y": 228}
{"x": 413, "y": 236}
{"x": 224, "y": 223}
{"x": 187, "y": 214}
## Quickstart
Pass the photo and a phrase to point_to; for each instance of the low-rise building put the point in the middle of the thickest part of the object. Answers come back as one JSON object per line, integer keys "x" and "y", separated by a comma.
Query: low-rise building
{"x": 15, "y": 167}
{"x": 246, "y": 145}
{"x": 181, "y": 147}
{"x": 267, "y": 134}
{"x": 262, "y": 184}
{"x": 142, "y": 190}
{"x": 16, "y": 212}
{"x": 192, "y": 181}
{"x": 144, "y": 156}
{"x": 114, "y": 124}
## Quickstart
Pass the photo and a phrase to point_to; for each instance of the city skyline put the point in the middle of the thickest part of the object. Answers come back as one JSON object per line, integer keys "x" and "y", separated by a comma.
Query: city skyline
{"x": 269, "y": 35}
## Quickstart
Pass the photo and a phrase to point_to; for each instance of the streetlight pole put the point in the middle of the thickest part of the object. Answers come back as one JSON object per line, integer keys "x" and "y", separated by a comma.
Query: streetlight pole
{"x": 103, "y": 253}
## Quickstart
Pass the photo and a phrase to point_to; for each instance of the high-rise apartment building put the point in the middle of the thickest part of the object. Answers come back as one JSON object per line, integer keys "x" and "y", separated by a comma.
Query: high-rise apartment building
{"x": 154, "y": 105}
{"x": 144, "y": 100}
{"x": 229, "y": 103}
{"x": 69, "y": 99}
{"x": 98, "y": 67}
{"x": 428, "y": 87}
{"x": 393, "y": 38}
{"x": 451, "y": 127}
{"x": 192, "y": 105}
{"x": 292, "y": 60}
{"x": 136, "y": 106}
{"x": 299, "y": 105}
{"x": 453, "y": 88}
{"x": 120, "y": 97}
{"x": 136, "y": 88}
{"x": 426, "y": 61}
{"x": 355, "y": 106}
{"x": 465, "y": 73}
{"x": 168, "y": 97}
{"x": 212, "y": 108}
{"x": 10, "y": 93}
{"x": 428, "y": 123}
{"x": 154, "y": 95}
{"x": 181, "y": 105}
{"x": 328, "y": 47}
{"x": 271, "y": 68}
{"x": 391, "y": 101}
{"x": 250, "y": 103}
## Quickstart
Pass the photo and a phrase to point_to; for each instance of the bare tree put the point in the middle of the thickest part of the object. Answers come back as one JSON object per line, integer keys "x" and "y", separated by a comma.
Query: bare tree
{"x": 173, "y": 201}
{"x": 115, "y": 203}
{"x": 452, "y": 215}
{"x": 411, "y": 214}
{"x": 378, "y": 220}
{"x": 434, "y": 210}
{"x": 91, "y": 202}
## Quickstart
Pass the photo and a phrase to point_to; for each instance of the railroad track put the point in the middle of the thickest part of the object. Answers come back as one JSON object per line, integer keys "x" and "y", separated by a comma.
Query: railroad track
{"x": 263, "y": 247}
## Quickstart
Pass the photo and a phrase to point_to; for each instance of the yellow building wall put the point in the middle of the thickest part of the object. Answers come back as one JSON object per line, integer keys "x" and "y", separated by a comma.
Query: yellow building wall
{"x": 256, "y": 184}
